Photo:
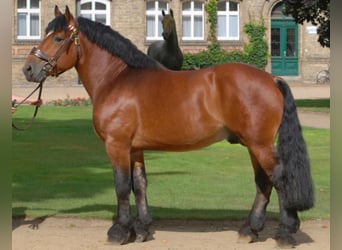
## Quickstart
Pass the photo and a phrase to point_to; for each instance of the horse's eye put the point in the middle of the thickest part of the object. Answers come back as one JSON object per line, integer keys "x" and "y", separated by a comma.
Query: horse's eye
{"x": 58, "y": 39}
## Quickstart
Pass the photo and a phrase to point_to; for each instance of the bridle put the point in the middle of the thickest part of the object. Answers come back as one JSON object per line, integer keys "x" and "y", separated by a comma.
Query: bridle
{"x": 51, "y": 62}
{"x": 50, "y": 67}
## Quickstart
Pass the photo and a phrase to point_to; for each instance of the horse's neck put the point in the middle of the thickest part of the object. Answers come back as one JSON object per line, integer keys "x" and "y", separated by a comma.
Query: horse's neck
{"x": 172, "y": 41}
{"x": 96, "y": 67}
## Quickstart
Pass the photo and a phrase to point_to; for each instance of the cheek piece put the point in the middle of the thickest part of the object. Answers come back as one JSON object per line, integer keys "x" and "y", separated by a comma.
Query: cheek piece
{"x": 51, "y": 62}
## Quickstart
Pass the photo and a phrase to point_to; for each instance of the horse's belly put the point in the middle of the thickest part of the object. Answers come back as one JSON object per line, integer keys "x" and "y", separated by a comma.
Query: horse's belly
{"x": 181, "y": 141}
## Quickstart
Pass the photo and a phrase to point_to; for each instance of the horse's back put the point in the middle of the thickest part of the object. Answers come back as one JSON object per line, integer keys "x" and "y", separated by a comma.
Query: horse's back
{"x": 155, "y": 49}
{"x": 170, "y": 59}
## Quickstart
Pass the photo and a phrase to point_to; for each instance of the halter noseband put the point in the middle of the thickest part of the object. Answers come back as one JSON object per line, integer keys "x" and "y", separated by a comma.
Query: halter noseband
{"x": 51, "y": 62}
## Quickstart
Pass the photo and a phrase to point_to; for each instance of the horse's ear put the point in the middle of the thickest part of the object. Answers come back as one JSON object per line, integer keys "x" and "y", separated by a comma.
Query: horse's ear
{"x": 57, "y": 11}
{"x": 163, "y": 12}
{"x": 68, "y": 14}
{"x": 171, "y": 12}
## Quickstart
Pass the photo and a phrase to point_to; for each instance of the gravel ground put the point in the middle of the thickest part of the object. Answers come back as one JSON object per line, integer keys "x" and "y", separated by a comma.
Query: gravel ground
{"x": 80, "y": 234}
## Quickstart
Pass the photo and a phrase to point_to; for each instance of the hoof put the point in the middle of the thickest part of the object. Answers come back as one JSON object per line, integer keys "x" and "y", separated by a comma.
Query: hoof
{"x": 141, "y": 237}
{"x": 285, "y": 240}
{"x": 246, "y": 235}
{"x": 246, "y": 239}
{"x": 118, "y": 234}
{"x": 141, "y": 231}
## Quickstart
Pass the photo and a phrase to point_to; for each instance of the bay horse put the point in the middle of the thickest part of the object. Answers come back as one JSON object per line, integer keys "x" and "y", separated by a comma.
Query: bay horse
{"x": 167, "y": 52}
{"x": 139, "y": 105}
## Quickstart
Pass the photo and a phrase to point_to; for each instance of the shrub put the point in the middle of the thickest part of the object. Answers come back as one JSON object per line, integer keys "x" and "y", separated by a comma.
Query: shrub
{"x": 78, "y": 101}
{"x": 255, "y": 53}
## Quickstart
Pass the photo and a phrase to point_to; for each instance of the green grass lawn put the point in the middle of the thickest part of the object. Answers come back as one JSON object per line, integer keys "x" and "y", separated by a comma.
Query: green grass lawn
{"x": 60, "y": 167}
{"x": 320, "y": 105}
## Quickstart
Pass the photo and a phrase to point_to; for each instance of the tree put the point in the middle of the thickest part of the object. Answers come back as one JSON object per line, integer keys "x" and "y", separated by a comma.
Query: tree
{"x": 316, "y": 12}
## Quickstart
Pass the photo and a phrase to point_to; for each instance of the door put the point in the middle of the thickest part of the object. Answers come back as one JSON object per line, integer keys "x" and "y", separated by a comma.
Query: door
{"x": 284, "y": 47}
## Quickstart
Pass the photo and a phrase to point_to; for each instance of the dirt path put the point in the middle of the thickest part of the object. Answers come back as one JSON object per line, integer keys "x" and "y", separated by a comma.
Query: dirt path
{"x": 314, "y": 119}
{"x": 73, "y": 234}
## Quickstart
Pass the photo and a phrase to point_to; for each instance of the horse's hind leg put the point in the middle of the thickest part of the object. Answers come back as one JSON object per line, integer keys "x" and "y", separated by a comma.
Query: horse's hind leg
{"x": 268, "y": 164}
{"x": 289, "y": 221}
{"x": 263, "y": 160}
{"x": 265, "y": 164}
{"x": 289, "y": 224}
{"x": 143, "y": 220}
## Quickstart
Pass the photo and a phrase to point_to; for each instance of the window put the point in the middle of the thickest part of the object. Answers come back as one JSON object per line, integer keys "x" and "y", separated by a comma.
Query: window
{"x": 28, "y": 19}
{"x": 154, "y": 27}
{"x": 96, "y": 10}
{"x": 193, "y": 20}
{"x": 279, "y": 11}
{"x": 228, "y": 20}
{"x": 275, "y": 42}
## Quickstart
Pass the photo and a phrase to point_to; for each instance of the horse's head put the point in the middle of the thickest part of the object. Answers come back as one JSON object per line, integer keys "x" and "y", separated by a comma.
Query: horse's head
{"x": 169, "y": 25}
{"x": 54, "y": 54}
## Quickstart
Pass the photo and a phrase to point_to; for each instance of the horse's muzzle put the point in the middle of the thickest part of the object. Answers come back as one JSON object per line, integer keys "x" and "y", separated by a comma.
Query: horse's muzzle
{"x": 34, "y": 73}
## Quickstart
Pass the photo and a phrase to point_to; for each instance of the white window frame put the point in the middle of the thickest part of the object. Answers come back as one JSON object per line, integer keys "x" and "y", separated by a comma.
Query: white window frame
{"x": 157, "y": 15}
{"x": 28, "y": 11}
{"x": 92, "y": 12}
{"x": 192, "y": 13}
{"x": 227, "y": 13}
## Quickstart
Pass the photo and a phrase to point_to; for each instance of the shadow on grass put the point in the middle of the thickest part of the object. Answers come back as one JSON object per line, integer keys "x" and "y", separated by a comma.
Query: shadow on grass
{"x": 59, "y": 159}
{"x": 20, "y": 219}
{"x": 158, "y": 213}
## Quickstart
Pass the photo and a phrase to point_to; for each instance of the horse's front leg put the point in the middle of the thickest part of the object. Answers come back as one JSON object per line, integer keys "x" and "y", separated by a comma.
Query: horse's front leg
{"x": 143, "y": 220}
{"x": 119, "y": 155}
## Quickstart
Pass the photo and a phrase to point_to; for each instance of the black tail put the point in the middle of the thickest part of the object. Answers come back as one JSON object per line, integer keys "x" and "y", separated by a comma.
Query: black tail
{"x": 293, "y": 177}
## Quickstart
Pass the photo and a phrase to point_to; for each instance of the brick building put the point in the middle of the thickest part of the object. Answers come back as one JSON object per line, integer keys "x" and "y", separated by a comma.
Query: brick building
{"x": 294, "y": 50}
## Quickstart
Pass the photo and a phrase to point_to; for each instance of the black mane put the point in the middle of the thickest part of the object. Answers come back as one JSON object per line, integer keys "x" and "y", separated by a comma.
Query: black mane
{"x": 109, "y": 40}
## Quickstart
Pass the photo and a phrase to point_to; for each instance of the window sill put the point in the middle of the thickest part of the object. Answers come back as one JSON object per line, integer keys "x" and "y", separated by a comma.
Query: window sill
{"x": 26, "y": 41}
{"x": 193, "y": 43}
{"x": 230, "y": 42}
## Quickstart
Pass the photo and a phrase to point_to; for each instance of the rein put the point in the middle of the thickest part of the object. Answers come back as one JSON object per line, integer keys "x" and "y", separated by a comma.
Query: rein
{"x": 40, "y": 87}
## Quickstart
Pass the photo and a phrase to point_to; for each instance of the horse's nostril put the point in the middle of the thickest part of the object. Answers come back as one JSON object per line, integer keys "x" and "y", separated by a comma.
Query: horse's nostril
{"x": 27, "y": 69}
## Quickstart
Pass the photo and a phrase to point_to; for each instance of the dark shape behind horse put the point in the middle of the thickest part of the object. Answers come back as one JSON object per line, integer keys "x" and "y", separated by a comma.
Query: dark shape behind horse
{"x": 139, "y": 105}
{"x": 167, "y": 52}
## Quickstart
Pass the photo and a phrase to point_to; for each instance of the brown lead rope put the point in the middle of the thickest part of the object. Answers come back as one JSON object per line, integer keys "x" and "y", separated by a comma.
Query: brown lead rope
{"x": 40, "y": 87}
